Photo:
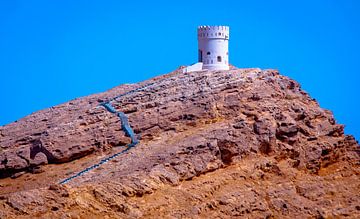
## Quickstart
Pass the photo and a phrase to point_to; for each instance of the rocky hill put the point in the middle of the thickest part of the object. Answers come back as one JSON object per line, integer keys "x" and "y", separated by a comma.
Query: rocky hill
{"x": 245, "y": 143}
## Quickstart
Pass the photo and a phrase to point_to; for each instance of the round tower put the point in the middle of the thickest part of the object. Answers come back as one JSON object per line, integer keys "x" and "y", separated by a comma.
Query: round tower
{"x": 213, "y": 44}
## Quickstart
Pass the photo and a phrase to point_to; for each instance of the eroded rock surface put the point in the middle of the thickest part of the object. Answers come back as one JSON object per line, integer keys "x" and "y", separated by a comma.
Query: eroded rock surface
{"x": 237, "y": 143}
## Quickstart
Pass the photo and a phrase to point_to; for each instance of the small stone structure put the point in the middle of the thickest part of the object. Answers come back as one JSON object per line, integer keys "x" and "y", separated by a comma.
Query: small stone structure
{"x": 213, "y": 43}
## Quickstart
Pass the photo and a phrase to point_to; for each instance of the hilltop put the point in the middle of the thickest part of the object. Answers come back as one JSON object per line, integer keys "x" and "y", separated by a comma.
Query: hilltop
{"x": 236, "y": 143}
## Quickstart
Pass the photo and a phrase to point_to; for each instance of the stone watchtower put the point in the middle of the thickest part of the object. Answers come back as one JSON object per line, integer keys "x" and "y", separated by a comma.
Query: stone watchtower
{"x": 213, "y": 44}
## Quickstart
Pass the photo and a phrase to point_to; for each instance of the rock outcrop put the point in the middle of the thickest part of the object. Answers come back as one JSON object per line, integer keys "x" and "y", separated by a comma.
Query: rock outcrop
{"x": 237, "y": 143}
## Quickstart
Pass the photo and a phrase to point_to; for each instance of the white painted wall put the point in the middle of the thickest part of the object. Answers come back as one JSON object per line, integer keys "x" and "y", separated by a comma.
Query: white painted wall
{"x": 195, "y": 67}
{"x": 213, "y": 43}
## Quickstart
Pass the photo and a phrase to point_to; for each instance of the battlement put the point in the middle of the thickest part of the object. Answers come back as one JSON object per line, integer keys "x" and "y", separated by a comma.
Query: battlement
{"x": 207, "y": 27}
{"x": 221, "y": 32}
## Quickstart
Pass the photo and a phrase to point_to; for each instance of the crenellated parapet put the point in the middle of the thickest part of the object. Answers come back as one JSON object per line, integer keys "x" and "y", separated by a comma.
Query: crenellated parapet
{"x": 220, "y": 32}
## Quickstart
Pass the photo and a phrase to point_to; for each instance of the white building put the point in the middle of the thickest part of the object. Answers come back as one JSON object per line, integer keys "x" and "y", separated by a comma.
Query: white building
{"x": 213, "y": 42}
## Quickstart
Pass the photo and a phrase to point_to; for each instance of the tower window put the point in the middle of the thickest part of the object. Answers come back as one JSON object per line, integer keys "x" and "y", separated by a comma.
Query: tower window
{"x": 208, "y": 53}
{"x": 211, "y": 61}
{"x": 219, "y": 58}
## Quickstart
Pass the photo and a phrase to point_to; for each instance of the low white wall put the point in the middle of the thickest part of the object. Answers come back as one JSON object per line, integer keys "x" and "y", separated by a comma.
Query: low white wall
{"x": 195, "y": 67}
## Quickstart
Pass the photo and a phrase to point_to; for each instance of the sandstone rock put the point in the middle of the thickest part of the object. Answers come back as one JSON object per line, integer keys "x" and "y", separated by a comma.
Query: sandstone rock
{"x": 39, "y": 159}
{"x": 213, "y": 144}
{"x": 16, "y": 175}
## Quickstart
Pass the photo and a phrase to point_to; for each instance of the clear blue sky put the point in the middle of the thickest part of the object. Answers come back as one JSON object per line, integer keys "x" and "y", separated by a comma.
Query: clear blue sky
{"x": 54, "y": 51}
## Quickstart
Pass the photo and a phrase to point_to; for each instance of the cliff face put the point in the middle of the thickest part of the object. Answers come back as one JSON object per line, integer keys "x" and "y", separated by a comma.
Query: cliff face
{"x": 244, "y": 142}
